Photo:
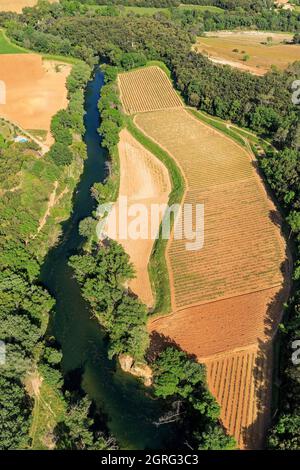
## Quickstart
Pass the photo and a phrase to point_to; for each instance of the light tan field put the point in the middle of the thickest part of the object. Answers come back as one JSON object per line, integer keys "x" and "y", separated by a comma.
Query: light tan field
{"x": 18, "y": 5}
{"x": 144, "y": 180}
{"x": 227, "y": 297}
{"x": 35, "y": 90}
{"x": 220, "y": 46}
{"x": 147, "y": 89}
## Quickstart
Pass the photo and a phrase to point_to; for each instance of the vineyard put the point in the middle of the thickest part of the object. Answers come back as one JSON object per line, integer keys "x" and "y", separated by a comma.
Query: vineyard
{"x": 147, "y": 89}
{"x": 227, "y": 297}
{"x": 240, "y": 381}
{"x": 242, "y": 251}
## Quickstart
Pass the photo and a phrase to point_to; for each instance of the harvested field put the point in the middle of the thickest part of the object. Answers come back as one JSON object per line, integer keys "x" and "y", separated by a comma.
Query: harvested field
{"x": 262, "y": 50}
{"x": 242, "y": 250}
{"x": 147, "y": 89}
{"x": 144, "y": 180}
{"x": 227, "y": 297}
{"x": 18, "y": 5}
{"x": 35, "y": 90}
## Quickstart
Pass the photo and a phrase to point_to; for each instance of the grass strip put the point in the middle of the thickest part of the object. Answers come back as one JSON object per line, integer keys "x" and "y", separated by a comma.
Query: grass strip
{"x": 157, "y": 268}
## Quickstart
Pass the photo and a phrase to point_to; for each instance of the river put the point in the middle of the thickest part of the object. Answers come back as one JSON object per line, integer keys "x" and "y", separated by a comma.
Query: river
{"x": 130, "y": 408}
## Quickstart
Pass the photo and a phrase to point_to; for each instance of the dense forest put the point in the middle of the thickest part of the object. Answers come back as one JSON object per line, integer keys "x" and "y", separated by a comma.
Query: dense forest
{"x": 262, "y": 104}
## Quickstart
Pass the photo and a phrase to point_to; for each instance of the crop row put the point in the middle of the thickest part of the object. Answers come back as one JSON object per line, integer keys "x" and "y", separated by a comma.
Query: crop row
{"x": 146, "y": 90}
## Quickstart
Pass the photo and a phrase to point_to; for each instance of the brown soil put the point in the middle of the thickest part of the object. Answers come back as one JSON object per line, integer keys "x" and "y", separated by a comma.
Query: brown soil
{"x": 35, "y": 90}
{"x": 18, "y": 5}
{"x": 225, "y": 325}
{"x": 144, "y": 180}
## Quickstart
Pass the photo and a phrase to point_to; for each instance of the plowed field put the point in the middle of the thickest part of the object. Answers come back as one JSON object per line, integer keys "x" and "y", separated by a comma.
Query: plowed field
{"x": 240, "y": 381}
{"x": 35, "y": 90}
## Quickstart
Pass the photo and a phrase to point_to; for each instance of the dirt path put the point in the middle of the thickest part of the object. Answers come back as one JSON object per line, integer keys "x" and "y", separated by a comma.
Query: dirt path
{"x": 43, "y": 147}
{"x": 53, "y": 201}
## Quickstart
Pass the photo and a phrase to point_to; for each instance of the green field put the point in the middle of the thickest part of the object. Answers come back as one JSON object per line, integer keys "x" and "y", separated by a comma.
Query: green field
{"x": 150, "y": 11}
{"x": 6, "y": 47}
{"x": 201, "y": 8}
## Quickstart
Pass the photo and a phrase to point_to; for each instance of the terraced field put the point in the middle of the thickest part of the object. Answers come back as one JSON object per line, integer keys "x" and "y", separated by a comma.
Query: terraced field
{"x": 147, "y": 89}
{"x": 227, "y": 297}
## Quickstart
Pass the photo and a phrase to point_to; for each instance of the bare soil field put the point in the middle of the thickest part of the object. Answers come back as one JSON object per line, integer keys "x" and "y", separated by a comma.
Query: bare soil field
{"x": 18, "y": 5}
{"x": 147, "y": 89}
{"x": 224, "y": 325}
{"x": 262, "y": 50}
{"x": 227, "y": 297}
{"x": 144, "y": 180}
{"x": 35, "y": 90}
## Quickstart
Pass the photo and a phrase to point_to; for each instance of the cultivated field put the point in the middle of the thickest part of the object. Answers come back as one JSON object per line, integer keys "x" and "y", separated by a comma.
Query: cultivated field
{"x": 35, "y": 90}
{"x": 147, "y": 89}
{"x": 227, "y": 297}
{"x": 242, "y": 252}
{"x": 240, "y": 381}
{"x": 18, "y": 5}
{"x": 144, "y": 180}
{"x": 261, "y": 50}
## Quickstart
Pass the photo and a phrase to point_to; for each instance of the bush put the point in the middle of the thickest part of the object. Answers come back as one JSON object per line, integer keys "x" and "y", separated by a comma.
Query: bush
{"x": 60, "y": 154}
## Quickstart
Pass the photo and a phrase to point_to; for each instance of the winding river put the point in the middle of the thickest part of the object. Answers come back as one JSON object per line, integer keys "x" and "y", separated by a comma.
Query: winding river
{"x": 129, "y": 407}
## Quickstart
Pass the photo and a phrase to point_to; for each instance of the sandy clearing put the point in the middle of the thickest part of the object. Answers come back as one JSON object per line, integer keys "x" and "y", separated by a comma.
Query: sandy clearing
{"x": 230, "y": 47}
{"x": 35, "y": 90}
{"x": 18, "y": 5}
{"x": 144, "y": 180}
{"x": 238, "y": 65}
